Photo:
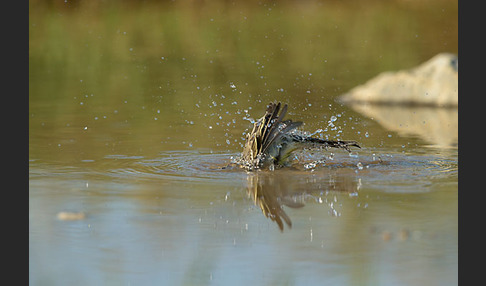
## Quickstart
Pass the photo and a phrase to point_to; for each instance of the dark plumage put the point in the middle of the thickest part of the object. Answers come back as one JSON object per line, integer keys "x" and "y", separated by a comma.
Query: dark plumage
{"x": 272, "y": 141}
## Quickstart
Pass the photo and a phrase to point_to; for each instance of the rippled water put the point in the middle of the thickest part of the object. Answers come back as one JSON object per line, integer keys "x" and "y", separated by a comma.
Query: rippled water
{"x": 132, "y": 131}
{"x": 179, "y": 218}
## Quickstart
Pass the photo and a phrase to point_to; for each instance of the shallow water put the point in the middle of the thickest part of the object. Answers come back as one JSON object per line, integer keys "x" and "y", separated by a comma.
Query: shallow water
{"x": 130, "y": 181}
{"x": 178, "y": 219}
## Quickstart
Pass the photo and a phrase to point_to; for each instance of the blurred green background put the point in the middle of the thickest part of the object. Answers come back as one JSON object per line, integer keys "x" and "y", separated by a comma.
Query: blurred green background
{"x": 153, "y": 69}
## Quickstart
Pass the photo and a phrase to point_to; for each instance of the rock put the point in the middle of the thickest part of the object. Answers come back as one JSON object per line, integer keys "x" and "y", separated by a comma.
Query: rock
{"x": 433, "y": 83}
{"x": 71, "y": 216}
{"x": 386, "y": 235}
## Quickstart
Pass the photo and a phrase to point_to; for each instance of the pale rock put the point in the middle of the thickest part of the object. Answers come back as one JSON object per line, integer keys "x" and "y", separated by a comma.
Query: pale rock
{"x": 433, "y": 83}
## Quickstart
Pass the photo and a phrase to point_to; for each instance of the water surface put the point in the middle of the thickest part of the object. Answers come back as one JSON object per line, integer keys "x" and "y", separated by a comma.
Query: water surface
{"x": 130, "y": 128}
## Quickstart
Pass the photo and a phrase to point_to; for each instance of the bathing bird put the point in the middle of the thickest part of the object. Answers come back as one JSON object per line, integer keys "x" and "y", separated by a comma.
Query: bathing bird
{"x": 273, "y": 139}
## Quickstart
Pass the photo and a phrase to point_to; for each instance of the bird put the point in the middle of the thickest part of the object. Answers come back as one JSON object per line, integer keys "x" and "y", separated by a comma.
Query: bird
{"x": 273, "y": 139}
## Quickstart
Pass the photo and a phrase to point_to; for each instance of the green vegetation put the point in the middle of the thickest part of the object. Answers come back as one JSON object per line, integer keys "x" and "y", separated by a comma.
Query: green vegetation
{"x": 222, "y": 41}
{"x": 127, "y": 63}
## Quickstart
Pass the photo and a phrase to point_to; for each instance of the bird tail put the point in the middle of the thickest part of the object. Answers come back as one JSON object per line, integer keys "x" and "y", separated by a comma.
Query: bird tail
{"x": 329, "y": 143}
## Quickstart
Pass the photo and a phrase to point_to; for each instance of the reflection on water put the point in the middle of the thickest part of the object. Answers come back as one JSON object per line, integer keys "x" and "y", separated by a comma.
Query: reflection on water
{"x": 270, "y": 197}
{"x": 292, "y": 187}
{"x": 438, "y": 126}
{"x": 273, "y": 190}
{"x": 178, "y": 218}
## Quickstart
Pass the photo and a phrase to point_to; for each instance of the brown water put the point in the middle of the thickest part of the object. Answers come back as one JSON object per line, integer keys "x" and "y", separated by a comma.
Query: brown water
{"x": 134, "y": 112}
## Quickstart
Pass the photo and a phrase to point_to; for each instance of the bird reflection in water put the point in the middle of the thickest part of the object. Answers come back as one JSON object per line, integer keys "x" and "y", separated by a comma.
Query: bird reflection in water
{"x": 271, "y": 191}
